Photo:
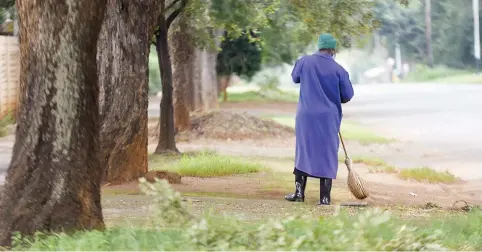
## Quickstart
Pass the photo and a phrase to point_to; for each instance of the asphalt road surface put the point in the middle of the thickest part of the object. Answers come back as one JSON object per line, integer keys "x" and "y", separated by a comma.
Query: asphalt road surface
{"x": 440, "y": 125}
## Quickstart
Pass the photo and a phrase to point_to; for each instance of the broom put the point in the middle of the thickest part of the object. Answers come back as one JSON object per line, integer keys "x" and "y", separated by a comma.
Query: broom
{"x": 356, "y": 184}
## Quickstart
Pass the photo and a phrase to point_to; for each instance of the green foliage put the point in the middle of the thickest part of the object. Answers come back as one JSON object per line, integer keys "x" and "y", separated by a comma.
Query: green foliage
{"x": 155, "y": 83}
{"x": 4, "y": 123}
{"x": 7, "y": 3}
{"x": 295, "y": 24}
{"x": 240, "y": 56}
{"x": 175, "y": 228}
{"x": 168, "y": 208}
{"x": 7, "y": 10}
{"x": 286, "y": 27}
{"x": 452, "y": 30}
{"x": 268, "y": 81}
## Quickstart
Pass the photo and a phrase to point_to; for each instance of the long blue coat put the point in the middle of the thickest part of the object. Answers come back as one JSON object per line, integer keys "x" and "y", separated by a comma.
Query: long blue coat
{"x": 324, "y": 86}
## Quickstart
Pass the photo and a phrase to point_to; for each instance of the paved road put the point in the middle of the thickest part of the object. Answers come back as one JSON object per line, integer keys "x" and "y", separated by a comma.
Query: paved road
{"x": 440, "y": 125}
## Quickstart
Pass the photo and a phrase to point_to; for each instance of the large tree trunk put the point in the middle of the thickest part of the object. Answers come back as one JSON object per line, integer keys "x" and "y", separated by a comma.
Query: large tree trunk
{"x": 123, "y": 65}
{"x": 209, "y": 80}
{"x": 197, "y": 82}
{"x": 166, "y": 143}
{"x": 53, "y": 182}
{"x": 205, "y": 82}
{"x": 182, "y": 53}
{"x": 223, "y": 84}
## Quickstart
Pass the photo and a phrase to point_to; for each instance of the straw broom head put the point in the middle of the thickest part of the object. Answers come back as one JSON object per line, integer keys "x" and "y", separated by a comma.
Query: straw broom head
{"x": 356, "y": 184}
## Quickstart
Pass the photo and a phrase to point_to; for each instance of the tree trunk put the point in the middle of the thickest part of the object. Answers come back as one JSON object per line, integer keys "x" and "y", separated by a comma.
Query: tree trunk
{"x": 428, "y": 31}
{"x": 196, "y": 95}
{"x": 123, "y": 65}
{"x": 181, "y": 50}
{"x": 223, "y": 84}
{"x": 166, "y": 142}
{"x": 209, "y": 91}
{"x": 205, "y": 82}
{"x": 53, "y": 182}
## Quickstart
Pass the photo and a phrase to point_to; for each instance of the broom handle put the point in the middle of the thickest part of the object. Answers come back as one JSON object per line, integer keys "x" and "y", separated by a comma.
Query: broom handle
{"x": 343, "y": 144}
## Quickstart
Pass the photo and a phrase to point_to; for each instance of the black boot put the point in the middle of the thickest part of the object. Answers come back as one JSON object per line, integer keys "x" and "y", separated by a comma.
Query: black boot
{"x": 300, "y": 185}
{"x": 325, "y": 191}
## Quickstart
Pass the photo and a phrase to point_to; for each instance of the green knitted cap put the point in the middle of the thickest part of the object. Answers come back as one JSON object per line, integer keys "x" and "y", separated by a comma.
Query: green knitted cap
{"x": 326, "y": 41}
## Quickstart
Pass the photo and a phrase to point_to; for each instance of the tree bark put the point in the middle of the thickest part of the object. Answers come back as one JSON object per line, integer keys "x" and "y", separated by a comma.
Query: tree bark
{"x": 223, "y": 84}
{"x": 182, "y": 52}
{"x": 53, "y": 182}
{"x": 166, "y": 143}
{"x": 209, "y": 80}
{"x": 205, "y": 82}
{"x": 428, "y": 31}
{"x": 197, "y": 84}
{"x": 123, "y": 65}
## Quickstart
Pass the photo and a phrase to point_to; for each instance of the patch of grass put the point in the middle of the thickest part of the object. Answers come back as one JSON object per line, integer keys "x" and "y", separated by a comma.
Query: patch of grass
{"x": 350, "y": 131}
{"x": 4, "y": 123}
{"x": 258, "y": 96}
{"x": 383, "y": 169}
{"x": 427, "y": 175}
{"x": 469, "y": 78}
{"x": 370, "y": 161}
{"x": 355, "y": 132}
{"x": 375, "y": 165}
{"x": 423, "y": 73}
{"x": 175, "y": 228}
{"x": 205, "y": 165}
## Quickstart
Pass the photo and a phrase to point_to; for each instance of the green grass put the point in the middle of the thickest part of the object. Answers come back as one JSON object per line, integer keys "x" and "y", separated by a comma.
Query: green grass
{"x": 383, "y": 169}
{"x": 173, "y": 227}
{"x": 365, "y": 231}
{"x": 442, "y": 74}
{"x": 257, "y": 96}
{"x": 469, "y": 78}
{"x": 4, "y": 123}
{"x": 427, "y": 175}
{"x": 375, "y": 165}
{"x": 350, "y": 131}
{"x": 205, "y": 165}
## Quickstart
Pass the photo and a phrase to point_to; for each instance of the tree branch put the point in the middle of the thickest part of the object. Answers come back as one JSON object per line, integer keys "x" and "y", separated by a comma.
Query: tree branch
{"x": 175, "y": 13}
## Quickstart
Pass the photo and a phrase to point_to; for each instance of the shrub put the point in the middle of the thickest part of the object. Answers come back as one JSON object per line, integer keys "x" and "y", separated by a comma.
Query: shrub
{"x": 179, "y": 230}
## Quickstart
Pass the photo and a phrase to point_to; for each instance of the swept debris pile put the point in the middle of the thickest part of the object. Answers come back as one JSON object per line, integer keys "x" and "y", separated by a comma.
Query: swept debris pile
{"x": 229, "y": 126}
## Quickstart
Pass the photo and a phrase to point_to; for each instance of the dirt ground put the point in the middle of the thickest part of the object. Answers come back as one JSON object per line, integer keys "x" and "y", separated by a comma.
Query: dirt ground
{"x": 260, "y": 195}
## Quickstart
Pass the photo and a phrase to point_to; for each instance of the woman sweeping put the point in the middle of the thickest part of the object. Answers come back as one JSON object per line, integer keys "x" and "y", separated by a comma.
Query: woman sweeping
{"x": 324, "y": 86}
